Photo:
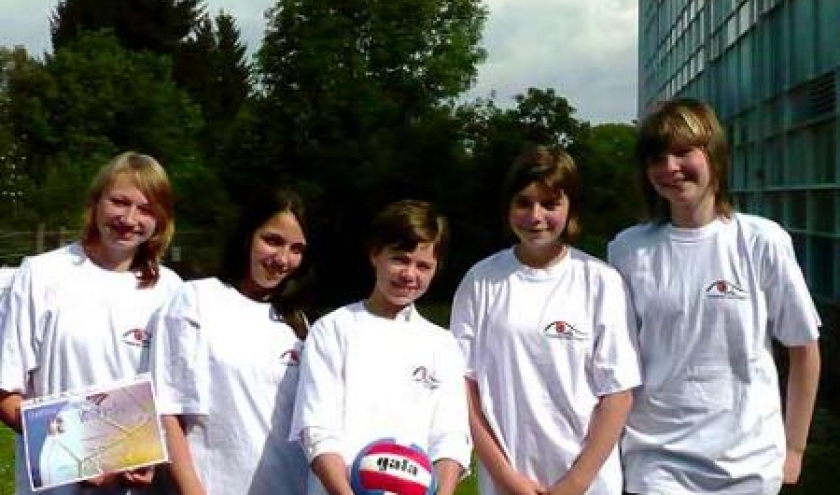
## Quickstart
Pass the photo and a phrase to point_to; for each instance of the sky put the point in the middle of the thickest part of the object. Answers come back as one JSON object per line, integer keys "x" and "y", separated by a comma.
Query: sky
{"x": 586, "y": 50}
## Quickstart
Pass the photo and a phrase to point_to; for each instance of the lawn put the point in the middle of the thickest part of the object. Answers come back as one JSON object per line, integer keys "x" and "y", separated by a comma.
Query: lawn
{"x": 7, "y": 461}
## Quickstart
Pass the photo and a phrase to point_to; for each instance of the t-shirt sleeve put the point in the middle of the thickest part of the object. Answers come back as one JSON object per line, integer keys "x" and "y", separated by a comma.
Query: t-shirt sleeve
{"x": 615, "y": 365}
{"x": 319, "y": 409}
{"x": 180, "y": 360}
{"x": 464, "y": 321}
{"x": 18, "y": 319}
{"x": 791, "y": 311}
{"x": 449, "y": 435}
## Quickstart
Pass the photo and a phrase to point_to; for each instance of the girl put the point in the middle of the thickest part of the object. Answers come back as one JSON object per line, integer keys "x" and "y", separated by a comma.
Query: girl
{"x": 225, "y": 360}
{"x": 545, "y": 333}
{"x": 710, "y": 289}
{"x": 376, "y": 368}
{"x": 74, "y": 317}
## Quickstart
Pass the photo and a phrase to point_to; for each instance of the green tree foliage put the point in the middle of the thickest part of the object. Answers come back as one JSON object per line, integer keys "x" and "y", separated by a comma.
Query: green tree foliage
{"x": 158, "y": 26}
{"x": 12, "y": 182}
{"x": 211, "y": 66}
{"x": 612, "y": 198}
{"x": 88, "y": 101}
{"x": 346, "y": 90}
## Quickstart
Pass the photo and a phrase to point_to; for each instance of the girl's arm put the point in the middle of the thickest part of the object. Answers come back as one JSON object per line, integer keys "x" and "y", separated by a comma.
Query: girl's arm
{"x": 490, "y": 452}
{"x": 803, "y": 378}
{"x": 448, "y": 472}
{"x": 332, "y": 471}
{"x": 605, "y": 429}
{"x": 10, "y": 409}
{"x": 181, "y": 465}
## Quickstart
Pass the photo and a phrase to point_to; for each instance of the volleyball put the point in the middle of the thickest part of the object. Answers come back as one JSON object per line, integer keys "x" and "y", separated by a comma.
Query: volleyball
{"x": 386, "y": 467}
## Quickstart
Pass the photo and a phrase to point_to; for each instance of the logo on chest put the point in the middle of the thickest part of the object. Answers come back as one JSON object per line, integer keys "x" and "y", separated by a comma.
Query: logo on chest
{"x": 137, "y": 337}
{"x": 563, "y": 330}
{"x": 425, "y": 377}
{"x": 290, "y": 357}
{"x": 723, "y": 289}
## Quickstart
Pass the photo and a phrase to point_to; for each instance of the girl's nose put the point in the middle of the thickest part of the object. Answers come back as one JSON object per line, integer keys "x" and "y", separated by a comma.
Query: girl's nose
{"x": 130, "y": 216}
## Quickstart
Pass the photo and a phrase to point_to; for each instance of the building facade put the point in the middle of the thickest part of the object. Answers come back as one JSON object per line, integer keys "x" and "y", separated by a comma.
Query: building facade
{"x": 771, "y": 70}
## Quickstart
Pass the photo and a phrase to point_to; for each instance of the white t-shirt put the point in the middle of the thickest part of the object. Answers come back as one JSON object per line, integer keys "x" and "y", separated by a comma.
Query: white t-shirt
{"x": 68, "y": 325}
{"x": 364, "y": 378}
{"x": 708, "y": 301}
{"x": 543, "y": 345}
{"x": 229, "y": 365}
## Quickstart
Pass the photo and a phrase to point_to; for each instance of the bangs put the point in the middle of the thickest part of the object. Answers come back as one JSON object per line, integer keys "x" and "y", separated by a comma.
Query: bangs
{"x": 671, "y": 131}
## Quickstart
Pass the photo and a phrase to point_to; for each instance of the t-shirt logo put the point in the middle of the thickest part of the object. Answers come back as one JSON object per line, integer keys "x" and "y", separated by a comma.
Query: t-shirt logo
{"x": 563, "y": 330}
{"x": 137, "y": 337}
{"x": 290, "y": 357}
{"x": 424, "y": 376}
{"x": 723, "y": 289}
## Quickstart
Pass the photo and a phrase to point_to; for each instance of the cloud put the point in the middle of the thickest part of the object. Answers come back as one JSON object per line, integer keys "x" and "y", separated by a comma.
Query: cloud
{"x": 26, "y": 23}
{"x": 584, "y": 49}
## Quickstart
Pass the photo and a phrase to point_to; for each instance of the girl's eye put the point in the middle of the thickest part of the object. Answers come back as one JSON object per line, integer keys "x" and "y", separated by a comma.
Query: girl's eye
{"x": 520, "y": 202}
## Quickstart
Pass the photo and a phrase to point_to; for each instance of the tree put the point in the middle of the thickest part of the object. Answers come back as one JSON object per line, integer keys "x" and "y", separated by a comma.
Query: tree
{"x": 344, "y": 88}
{"x": 158, "y": 26}
{"x": 612, "y": 198}
{"x": 210, "y": 65}
{"x": 12, "y": 181}
{"x": 87, "y": 102}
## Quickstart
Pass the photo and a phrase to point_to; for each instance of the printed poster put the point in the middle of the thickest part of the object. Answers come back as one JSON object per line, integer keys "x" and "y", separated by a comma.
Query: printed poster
{"x": 70, "y": 438}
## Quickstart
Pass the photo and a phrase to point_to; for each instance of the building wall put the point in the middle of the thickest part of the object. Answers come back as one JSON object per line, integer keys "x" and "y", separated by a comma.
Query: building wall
{"x": 771, "y": 70}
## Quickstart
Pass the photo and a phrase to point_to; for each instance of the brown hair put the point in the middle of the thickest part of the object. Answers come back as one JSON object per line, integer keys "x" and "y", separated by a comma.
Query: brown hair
{"x": 553, "y": 168}
{"x": 151, "y": 179}
{"x": 680, "y": 124}
{"x": 405, "y": 224}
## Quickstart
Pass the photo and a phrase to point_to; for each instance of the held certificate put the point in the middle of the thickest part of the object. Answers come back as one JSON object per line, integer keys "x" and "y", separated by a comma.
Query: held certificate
{"x": 73, "y": 437}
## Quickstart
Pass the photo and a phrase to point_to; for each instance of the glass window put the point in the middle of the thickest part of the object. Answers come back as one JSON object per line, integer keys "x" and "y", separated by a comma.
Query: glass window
{"x": 825, "y": 153}
{"x": 778, "y": 52}
{"x": 824, "y": 211}
{"x": 744, "y": 18}
{"x": 828, "y": 51}
{"x": 731, "y": 30}
{"x": 799, "y": 248}
{"x": 799, "y": 164}
{"x": 746, "y": 87}
{"x": 803, "y": 40}
{"x": 822, "y": 276}
{"x": 774, "y": 206}
{"x": 798, "y": 205}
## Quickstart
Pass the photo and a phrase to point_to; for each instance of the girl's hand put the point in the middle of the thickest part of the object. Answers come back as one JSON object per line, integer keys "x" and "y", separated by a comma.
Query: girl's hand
{"x": 103, "y": 480}
{"x": 140, "y": 477}
{"x": 515, "y": 483}
{"x": 567, "y": 486}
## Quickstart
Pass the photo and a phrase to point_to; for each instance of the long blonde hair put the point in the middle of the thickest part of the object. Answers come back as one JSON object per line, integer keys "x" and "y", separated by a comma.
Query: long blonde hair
{"x": 150, "y": 178}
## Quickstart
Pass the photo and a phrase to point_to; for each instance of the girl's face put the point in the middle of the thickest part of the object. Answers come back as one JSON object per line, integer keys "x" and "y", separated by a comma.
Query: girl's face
{"x": 277, "y": 249}
{"x": 401, "y": 276}
{"x": 538, "y": 216}
{"x": 683, "y": 178}
{"x": 124, "y": 220}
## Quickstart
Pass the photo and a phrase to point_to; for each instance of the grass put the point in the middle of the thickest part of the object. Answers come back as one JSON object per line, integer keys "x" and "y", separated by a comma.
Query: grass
{"x": 7, "y": 461}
